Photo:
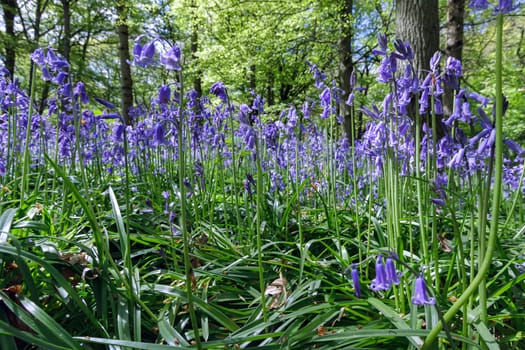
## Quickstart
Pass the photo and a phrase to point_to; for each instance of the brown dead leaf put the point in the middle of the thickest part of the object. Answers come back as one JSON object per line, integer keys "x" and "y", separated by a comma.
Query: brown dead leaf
{"x": 276, "y": 289}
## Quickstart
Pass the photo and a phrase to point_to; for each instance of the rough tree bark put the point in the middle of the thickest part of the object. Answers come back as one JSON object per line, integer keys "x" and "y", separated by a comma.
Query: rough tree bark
{"x": 417, "y": 21}
{"x": 9, "y": 7}
{"x": 346, "y": 66}
{"x": 454, "y": 43}
{"x": 126, "y": 82}
{"x": 65, "y": 46}
{"x": 194, "y": 47}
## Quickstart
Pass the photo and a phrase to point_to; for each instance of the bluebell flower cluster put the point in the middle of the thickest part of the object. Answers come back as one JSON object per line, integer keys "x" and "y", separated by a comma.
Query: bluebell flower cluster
{"x": 386, "y": 276}
{"x": 503, "y": 6}
{"x": 294, "y": 147}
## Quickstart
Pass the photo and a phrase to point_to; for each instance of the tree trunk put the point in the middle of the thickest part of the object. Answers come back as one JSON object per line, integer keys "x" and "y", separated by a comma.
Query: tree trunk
{"x": 194, "y": 47}
{"x": 454, "y": 43}
{"x": 270, "y": 95}
{"x": 417, "y": 21}
{"x": 66, "y": 39}
{"x": 346, "y": 67}
{"x": 126, "y": 83}
{"x": 40, "y": 8}
{"x": 9, "y": 7}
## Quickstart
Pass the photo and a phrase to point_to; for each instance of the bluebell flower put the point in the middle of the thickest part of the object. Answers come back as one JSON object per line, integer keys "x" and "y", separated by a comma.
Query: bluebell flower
{"x": 55, "y": 61}
{"x": 158, "y": 135}
{"x": 514, "y": 147}
{"x": 143, "y": 56}
{"x": 164, "y": 94}
{"x": 383, "y": 45}
{"x": 80, "y": 91}
{"x": 219, "y": 90}
{"x": 505, "y": 6}
{"x": 420, "y": 296}
{"x": 404, "y": 51}
{"x": 479, "y": 4}
{"x": 105, "y": 103}
{"x": 392, "y": 275}
{"x": 325, "y": 98}
{"x": 318, "y": 75}
{"x": 171, "y": 59}
{"x": 355, "y": 280}
{"x": 249, "y": 182}
{"x": 380, "y": 282}
{"x": 479, "y": 98}
{"x": 453, "y": 71}
{"x": 38, "y": 57}
{"x": 258, "y": 102}
{"x": 166, "y": 196}
{"x": 386, "y": 70}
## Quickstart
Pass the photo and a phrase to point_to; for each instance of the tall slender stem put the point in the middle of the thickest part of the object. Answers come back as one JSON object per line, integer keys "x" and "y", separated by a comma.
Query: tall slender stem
{"x": 27, "y": 158}
{"x": 184, "y": 231}
{"x": 496, "y": 194}
{"x": 259, "y": 228}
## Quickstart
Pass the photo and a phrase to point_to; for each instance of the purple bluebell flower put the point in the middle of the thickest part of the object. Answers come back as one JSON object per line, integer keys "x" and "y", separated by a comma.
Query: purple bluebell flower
{"x": 420, "y": 296}
{"x": 453, "y": 71}
{"x": 355, "y": 280}
{"x": 318, "y": 75}
{"x": 438, "y": 202}
{"x": 38, "y": 57}
{"x": 479, "y": 98}
{"x": 171, "y": 59}
{"x": 479, "y": 4}
{"x": 387, "y": 69}
{"x": 404, "y": 51}
{"x": 505, "y": 6}
{"x": 80, "y": 91}
{"x": 166, "y": 196}
{"x": 514, "y": 147}
{"x": 392, "y": 275}
{"x": 105, "y": 103}
{"x": 325, "y": 98}
{"x": 434, "y": 61}
{"x": 164, "y": 94}
{"x": 143, "y": 56}
{"x": 258, "y": 103}
{"x": 219, "y": 90}
{"x": 457, "y": 159}
{"x": 350, "y": 99}
{"x": 249, "y": 182}
{"x": 158, "y": 135}
{"x": 380, "y": 282}
{"x": 55, "y": 61}
{"x": 60, "y": 78}
{"x": 383, "y": 45}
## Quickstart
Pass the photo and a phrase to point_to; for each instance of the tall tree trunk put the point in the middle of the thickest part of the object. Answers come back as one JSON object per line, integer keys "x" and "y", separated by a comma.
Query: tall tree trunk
{"x": 66, "y": 39}
{"x": 40, "y": 8}
{"x": 194, "y": 47}
{"x": 346, "y": 66}
{"x": 270, "y": 95}
{"x": 9, "y": 7}
{"x": 454, "y": 43}
{"x": 126, "y": 83}
{"x": 417, "y": 21}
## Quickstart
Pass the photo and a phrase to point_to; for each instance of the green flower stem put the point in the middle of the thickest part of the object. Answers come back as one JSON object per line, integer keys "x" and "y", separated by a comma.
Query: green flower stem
{"x": 235, "y": 191}
{"x": 27, "y": 158}
{"x": 419, "y": 189}
{"x": 184, "y": 231}
{"x": 258, "y": 224}
{"x": 496, "y": 195}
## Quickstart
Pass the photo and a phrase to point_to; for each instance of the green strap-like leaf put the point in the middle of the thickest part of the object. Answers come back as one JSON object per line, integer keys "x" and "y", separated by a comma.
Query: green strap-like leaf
{"x": 6, "y": 220}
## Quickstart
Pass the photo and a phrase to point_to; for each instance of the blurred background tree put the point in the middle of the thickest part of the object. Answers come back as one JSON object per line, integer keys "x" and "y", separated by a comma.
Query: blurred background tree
{"x": 259, "y": 45}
